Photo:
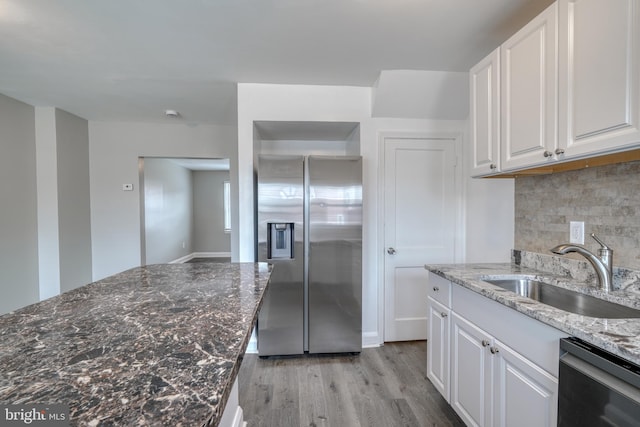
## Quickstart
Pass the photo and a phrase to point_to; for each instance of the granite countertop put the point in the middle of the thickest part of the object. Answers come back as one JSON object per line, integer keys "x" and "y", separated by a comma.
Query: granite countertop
{"x": 154, "y": 345}
{"x": 619, "y": 336}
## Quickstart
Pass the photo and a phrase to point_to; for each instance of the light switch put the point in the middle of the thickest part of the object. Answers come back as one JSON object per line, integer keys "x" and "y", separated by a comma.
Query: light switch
{"x": 127, "y": 187}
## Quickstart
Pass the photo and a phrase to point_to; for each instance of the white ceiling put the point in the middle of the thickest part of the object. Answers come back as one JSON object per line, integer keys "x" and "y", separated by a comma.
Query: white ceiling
{"x": 130, "y": 60}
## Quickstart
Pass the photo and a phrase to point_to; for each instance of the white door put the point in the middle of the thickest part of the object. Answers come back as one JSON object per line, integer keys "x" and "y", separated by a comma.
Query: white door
{"x": 420, "y": 211}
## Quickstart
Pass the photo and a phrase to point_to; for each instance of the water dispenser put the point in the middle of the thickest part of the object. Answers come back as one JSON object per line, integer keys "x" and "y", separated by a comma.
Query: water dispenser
{"x": 280, "y": 240}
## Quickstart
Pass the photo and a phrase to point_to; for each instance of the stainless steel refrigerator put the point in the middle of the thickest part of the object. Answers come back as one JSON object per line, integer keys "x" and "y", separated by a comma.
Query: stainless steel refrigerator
{"x": 309, "y": 226}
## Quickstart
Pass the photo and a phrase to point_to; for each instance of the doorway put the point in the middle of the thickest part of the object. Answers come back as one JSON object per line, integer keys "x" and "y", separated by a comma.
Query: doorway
{"x": 183, "y": 209}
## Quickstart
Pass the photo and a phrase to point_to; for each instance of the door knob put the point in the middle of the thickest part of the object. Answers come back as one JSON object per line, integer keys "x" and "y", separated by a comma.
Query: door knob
{"x": 391, "y": 251}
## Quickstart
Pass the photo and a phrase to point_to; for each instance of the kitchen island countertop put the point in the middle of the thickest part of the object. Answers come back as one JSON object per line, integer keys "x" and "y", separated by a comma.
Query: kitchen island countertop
{"x": 618, "y": 336}
{"x": 154, "y": 345}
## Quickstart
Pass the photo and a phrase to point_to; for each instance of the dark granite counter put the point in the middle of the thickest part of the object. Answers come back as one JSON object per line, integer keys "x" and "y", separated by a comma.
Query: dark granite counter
{"x": 156, "y": 345}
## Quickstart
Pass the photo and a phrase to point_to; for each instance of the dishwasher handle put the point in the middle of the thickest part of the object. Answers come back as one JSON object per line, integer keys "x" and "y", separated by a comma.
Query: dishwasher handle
{"x": 600, "y": 359}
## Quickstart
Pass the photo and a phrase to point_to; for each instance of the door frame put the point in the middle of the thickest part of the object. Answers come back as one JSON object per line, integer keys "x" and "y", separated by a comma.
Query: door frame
{"x": 456, "y": 138}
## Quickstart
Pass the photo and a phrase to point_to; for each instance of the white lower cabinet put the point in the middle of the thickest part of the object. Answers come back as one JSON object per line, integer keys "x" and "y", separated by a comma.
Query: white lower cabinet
{"x": 438, "y": 346}
{"x": 471, "y": 375}
{"x": 495, "y": 366}
{"x": 493, "y": 385}
{"x": 523, "y": 393}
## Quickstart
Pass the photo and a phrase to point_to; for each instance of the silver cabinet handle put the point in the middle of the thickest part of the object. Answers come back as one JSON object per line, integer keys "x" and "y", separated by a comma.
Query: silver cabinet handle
{"x": 493, "y": 166}
{"x": 485, "y": 343}
{"x": 547, "y": 154}
{"x": 559, "y": 151}
{"x": 391, "y": 251}
{"x": 493, "y": 350}
{"x": 443, "y": 315}
{"x": 436, "y": 289}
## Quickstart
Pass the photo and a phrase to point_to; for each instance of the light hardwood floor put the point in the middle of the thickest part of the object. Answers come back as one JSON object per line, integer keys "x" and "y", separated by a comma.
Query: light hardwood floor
{"x": 385, "y": 386}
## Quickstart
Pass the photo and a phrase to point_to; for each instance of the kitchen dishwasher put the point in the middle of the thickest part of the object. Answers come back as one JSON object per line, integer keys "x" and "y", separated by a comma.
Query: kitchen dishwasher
{"x": 596, "y": 387}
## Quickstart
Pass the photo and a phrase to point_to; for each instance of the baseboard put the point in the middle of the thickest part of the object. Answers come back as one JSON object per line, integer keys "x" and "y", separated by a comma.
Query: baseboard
{"x": 211, "y": 255}
{"x": 371, "y": 339}
{"x": 201, "y": 255}
{"x": 182, "y": 259}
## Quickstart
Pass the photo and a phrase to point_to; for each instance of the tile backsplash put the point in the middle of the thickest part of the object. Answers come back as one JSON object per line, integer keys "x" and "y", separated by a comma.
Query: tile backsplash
{"x": 606, "y": 198}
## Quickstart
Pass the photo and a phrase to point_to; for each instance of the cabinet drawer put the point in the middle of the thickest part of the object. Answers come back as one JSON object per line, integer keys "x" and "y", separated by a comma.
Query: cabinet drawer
{"x": 439, "y": 289}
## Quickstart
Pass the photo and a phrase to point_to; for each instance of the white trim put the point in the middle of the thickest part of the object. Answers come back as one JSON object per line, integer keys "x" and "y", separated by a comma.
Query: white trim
{"x": 182, "y": 259}
{"x": 193, "y": 255}
{"x": 371, "y": 339}
{"x": 211, "y": 255}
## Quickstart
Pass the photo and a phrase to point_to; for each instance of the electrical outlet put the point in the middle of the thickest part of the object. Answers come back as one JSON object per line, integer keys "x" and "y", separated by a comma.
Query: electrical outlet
{"x": 576, "y": 232}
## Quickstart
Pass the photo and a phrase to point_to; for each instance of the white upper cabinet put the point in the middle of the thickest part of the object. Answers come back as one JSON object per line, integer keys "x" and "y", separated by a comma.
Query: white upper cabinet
{"x": 484, "y": 82}
{"x": 599, "y": 75}
{"x": 566, "y": 86}
{"x": 529, "y": 72}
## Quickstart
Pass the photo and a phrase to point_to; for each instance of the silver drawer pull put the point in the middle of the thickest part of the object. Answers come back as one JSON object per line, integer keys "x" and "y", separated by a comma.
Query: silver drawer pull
{"x": 559, "y": 151}
{"x": 493, "y": 350}
{"x": 436, "y": 289}
{"x": 485, "y": 343}
{"x": 443, "y": 315}
{"x": 547, "y": 154}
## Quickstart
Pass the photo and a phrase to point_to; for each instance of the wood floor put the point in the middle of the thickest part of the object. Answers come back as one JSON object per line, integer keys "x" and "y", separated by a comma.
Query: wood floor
{"x": 385, "y": 386}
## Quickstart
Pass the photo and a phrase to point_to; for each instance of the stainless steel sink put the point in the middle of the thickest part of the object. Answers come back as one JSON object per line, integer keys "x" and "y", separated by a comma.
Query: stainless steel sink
{"x": 565, "y": 299}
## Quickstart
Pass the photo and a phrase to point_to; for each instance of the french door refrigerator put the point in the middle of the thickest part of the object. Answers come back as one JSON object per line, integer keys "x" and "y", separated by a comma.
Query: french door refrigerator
{"x": 309, "y": 226}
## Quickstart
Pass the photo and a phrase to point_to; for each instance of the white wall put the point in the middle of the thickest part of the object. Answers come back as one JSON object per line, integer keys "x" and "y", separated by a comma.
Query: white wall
{"x": 74, "y": 207}
{"x": 48, "y": 223}
{"x": 114, "y": 152}
{"x": 64, "y": 227}
{"x": 421, "y": 94}
{"x": 18, "y": 216}
{"x": 168, "y": 210}
{"x": 490, "y": 215}
{"x": 208, "y": 212}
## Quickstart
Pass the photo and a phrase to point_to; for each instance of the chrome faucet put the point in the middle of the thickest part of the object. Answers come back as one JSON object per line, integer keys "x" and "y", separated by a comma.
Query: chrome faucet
{"x": 603, "y": 263}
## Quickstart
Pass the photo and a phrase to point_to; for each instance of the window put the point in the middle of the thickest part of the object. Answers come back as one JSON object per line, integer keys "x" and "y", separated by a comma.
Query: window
{"x": 226, "y": 203}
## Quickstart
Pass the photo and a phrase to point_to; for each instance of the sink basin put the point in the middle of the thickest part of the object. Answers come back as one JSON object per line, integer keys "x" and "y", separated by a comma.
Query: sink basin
{"x": 565, "y": 299}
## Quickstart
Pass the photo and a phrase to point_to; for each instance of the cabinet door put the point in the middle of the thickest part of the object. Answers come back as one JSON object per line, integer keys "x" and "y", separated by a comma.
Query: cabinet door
{"x": 438, "y": 346}
{"x": 599, "y": 75}
{"x": 471, "y": 374}
{"x": 529, "y": 93}
{"x": 484, "y": 114}
{"x": 524, "y": 394}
